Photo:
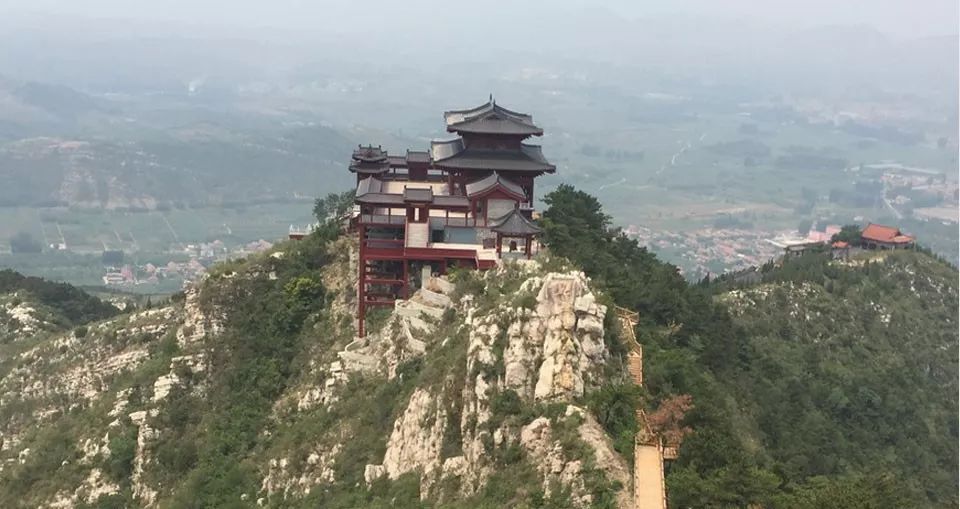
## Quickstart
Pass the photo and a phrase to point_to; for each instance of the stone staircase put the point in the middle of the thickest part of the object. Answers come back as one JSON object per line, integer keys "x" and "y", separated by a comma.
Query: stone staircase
{"x": 649, "y": 484}
{"x": 628, "y": 321}
{"x": 415, "y": 316}
{"x": 417, "y": 234}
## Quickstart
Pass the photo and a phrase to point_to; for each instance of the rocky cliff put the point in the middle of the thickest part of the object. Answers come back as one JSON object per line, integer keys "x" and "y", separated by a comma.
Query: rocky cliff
{"x": 472, "y": 390}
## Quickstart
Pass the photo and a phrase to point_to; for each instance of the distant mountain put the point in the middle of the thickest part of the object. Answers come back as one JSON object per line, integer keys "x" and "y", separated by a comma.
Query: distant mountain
{"x": 58, "y": 100}
{"x": 59, "y": 146}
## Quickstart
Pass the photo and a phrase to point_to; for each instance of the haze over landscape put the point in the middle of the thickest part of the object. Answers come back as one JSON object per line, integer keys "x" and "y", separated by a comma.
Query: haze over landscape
{"x": 705, "y": 130}
{"x": 435, "y": 255}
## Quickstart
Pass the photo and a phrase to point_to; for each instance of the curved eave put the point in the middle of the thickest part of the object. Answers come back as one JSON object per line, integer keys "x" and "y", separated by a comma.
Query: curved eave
{"x": 452, "y": 154}
{"x": 369, "y": 170}
{"x": 488, "y": 107}
{"x": 486, "y": 126}
{"x": 371, "y": 160}
{"x": 387, "y": 199}
{"x": 441, "y": 150}
{"x": 491, "y": 183}
{"x": 505, "y": 190}
{"x": 469, "y": 163}
{"x": 513, "y": 223}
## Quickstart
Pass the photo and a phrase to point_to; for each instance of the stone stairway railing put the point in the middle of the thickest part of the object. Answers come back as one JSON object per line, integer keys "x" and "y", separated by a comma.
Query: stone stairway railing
{"x": 649, "y": 484}
{"x": 628, "y": 321}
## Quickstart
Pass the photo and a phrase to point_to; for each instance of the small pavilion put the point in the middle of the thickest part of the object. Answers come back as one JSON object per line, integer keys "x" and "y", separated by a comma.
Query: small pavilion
{"x": 514, "y": 225}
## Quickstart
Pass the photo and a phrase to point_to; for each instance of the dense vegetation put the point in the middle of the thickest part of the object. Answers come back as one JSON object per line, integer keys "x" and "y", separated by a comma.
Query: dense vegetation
{"x": 70, "y": 302}
{"x": 267, "y": 325}
{"x": 824, "y": 386}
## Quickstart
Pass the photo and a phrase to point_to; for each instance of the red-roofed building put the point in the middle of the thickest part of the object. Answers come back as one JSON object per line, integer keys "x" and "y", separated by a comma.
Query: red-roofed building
{"x": 878, "y": 236}
{"x": 840, "y": 250}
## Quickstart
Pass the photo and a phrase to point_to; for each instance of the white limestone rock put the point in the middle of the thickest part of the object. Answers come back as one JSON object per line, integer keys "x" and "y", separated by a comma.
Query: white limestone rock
{"x": 417, "y": 437}
{"x": 373, "y": 472}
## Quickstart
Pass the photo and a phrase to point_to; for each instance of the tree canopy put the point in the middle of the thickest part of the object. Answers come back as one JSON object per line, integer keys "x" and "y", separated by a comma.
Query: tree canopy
{"x": 828, "y": 387}
{"x": 848, "y": 233}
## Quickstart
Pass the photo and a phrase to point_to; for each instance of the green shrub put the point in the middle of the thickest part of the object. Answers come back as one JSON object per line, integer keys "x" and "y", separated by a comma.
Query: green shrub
{"x": 123, "y": 448}
{"x": 615, "y": 405}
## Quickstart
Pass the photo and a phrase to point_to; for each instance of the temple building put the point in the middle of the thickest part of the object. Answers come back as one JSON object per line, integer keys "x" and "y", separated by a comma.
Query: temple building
{"x": 467, "y": 202}
{"x": 878, "y": 236}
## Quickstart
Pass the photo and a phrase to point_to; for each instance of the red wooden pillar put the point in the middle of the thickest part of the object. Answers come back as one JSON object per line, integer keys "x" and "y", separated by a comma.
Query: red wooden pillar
{"x": 529, "y": 245}
{"x": 362, "y": 283}
{"x": 406, "y": 281}
{"x": 499, "y": 244}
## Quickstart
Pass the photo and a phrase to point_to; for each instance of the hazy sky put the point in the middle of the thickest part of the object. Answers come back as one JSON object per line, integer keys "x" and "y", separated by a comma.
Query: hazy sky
{"x": 906, "y": 18}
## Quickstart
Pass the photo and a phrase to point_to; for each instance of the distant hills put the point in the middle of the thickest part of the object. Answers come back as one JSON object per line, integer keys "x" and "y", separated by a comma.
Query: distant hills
{"x": 61, "y": 146}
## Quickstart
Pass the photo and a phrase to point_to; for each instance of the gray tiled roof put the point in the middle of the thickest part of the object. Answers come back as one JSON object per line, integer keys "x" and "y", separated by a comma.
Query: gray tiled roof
{"x": 381, "y": 199}
{"x": 370, "y": 192}
{"x": 513, "y": 223}
{"x": 418, "y": 195}
{"x": 445, "y": 149}
{"x": 369, "y": 185}
{"x": 370, "y": 168}
{"x": 369, "y": 154}
{"x": 454, "y": 154}
{"x": 491, "y": 118}
{"x": 451, "y": 201}
{"x": 418, "y": 156}
{"x": 485, "y": 184}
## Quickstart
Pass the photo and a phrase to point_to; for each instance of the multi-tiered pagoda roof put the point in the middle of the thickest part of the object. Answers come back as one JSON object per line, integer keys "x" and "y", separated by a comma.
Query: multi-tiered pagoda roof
{"x": 491, "y": 118}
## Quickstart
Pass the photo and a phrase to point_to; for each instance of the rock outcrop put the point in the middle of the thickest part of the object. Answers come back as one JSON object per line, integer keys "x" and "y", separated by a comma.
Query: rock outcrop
{"x": 551, "y": 352}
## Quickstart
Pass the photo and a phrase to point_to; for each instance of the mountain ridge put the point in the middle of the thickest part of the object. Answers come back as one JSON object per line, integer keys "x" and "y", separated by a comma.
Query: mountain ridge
{"x": 251, "y": 389}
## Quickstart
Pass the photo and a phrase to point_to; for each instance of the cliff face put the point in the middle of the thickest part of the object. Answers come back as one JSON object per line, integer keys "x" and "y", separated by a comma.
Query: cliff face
{"x": 544, "y": 345}
{"x": 471, "y": 390}
{"x": 71, "y": 398}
